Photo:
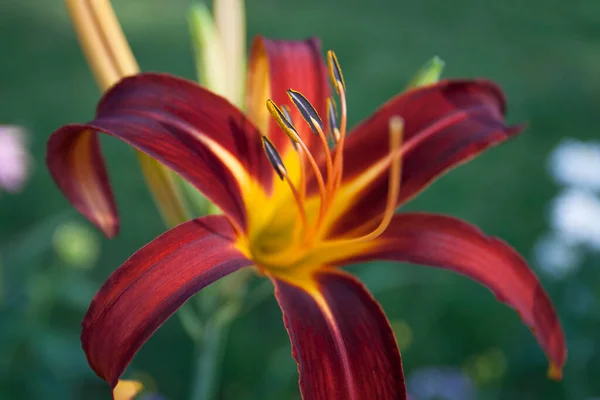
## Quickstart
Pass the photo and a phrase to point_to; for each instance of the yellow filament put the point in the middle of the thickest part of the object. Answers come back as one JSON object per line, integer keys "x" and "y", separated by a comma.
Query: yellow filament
{"x": 328, "y": 160}
{"x": 320, "y": 182}
{"x": 298, "y": 199}
{"x": 336, "y": 134}
{"x": 302, "y": 162}
{"x": 396, "y": 125}
{"x": 338, "y": 167}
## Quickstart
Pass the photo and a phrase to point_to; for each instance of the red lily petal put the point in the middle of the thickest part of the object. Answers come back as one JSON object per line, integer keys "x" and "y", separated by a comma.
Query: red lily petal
{"x": 341, "y": 340}
{"x": 450, "y": 243}
{"x": 445, "y": 124}
{"x": 198, "y": 134}
{"x": 276, "y": 66}
{"x": 154, "y": 282}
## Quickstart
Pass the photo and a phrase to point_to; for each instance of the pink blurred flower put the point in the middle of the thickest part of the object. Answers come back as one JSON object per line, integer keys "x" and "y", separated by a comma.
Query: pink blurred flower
{"x": 14, "y": 159}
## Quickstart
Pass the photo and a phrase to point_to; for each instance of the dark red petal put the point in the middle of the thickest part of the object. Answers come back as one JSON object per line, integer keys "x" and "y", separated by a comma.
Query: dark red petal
{"x": 445, "y": 125}
{"x": 154, "y": 282}
{"x": 450, "y": 243}
{"x": 276, "y": 66}
{"x": 173, "y": 121}
{"x": 75, "y": 162}
{"x": 341, "y": 340}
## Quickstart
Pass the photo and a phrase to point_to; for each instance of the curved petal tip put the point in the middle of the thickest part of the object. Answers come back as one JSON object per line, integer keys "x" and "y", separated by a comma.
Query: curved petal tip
{"x": 75, "y": 161}
{"x": 555, "y": 372}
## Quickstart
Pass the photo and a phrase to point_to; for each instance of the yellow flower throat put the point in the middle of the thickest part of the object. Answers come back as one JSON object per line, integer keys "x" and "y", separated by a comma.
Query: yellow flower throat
{"x": 289, "y": 239}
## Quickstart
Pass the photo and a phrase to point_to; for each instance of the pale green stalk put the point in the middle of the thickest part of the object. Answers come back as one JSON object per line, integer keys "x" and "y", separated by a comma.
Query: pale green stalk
{"x": 219, "y": 49}
{"x": 110, "y": 58}
{"x": 230, "y": 21}
{"x": 208, "y": 50}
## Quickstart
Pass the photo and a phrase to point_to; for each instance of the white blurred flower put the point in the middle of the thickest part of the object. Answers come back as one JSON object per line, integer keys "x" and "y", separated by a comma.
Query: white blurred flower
{"x": 440, "y": 383}
{"x": 14, "y": 159}
{"x": 556, "y": 257}
{"x": 575, "y": 215}
{"x": 576, "y": 163}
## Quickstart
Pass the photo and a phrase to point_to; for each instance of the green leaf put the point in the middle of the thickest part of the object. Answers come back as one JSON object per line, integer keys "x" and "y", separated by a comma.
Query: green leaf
{"x": 428, "y": 74}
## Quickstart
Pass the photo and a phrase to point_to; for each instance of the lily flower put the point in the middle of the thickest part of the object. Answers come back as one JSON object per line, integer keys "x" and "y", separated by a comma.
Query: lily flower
{"x": 301, "y": 198}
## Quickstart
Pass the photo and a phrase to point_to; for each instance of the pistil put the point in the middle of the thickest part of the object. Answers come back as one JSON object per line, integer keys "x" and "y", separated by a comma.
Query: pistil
{"x": 396, "y": 125}
{"x": 396, "y": 129}
{"x": 338, "y": 167}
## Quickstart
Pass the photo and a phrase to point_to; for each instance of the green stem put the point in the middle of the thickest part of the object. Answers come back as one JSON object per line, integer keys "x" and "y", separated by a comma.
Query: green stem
{"x": 210, "y": 349}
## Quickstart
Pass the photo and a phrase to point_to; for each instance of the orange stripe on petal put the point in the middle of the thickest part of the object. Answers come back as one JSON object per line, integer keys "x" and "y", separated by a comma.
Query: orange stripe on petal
{"x": 341, "y": 340}
{"x": 446, "y": 124}
{"x": 450, "y": 243}
{"x": 276, "y": 66}
{"x": 78, "y": 167}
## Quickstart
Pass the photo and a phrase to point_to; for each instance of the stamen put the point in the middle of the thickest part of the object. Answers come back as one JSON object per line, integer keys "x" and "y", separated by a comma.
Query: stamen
{"x": 320, "y": 183}
{"x": 307, "y": 111}
{"x": 315, "y": 123}
{"x": 332, "y": 119}
{"x": 336, "y": 134}
{"x": 328, "y": 161}
{"x": 338, "y": 167}
{"x": 302, "y": 161}
{"x": 288, "y": 115}
{"x": 273, "y": 157}
{"x": 283, "y": 121}
{"x": 289, "y": 129}
{"x": 286, "y": 112}
{"x": 299, "y": 203}
{"x": 277, "y": 163}
{"x": 337, "y": 80}
{"x": 335, "y": 72}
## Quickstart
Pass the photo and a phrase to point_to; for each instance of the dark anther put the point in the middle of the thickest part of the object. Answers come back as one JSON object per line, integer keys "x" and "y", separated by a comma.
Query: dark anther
{"x": 307, "y": 111}
{"x": 274, "y": 157}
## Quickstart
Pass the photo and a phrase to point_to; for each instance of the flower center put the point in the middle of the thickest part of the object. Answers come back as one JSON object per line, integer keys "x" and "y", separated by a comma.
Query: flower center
{"x": 298, "y": 239}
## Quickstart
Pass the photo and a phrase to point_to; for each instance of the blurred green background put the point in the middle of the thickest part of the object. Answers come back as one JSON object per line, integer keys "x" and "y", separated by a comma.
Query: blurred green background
{"x": 545, "y": 54}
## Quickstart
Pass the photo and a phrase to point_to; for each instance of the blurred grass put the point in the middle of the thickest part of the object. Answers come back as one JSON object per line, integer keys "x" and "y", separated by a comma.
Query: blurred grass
{"x": 546, "y": 55}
